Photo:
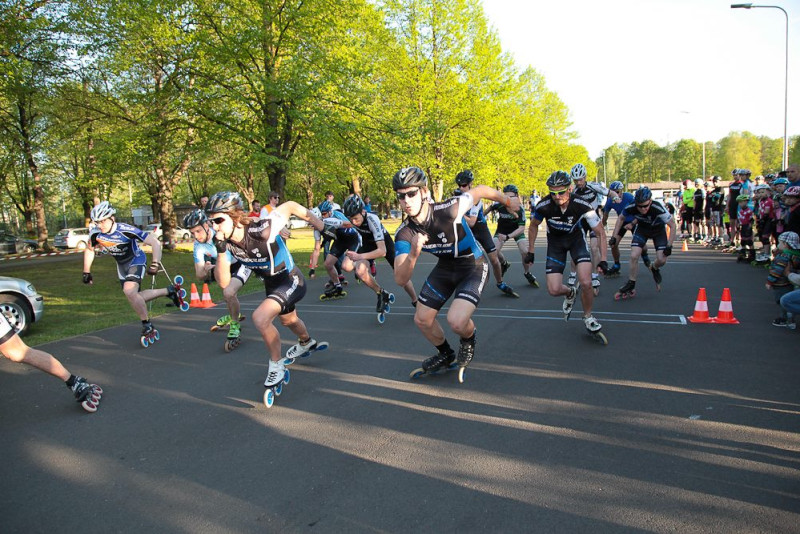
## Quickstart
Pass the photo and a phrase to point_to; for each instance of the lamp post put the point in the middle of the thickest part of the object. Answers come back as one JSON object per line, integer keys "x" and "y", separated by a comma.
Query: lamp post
{"x": 786, "y": 83}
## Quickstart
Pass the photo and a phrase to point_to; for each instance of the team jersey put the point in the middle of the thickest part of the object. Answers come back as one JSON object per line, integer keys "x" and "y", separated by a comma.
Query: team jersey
{"x": 560, "y": 223}
{"x": 371, "y": 230}
{"x": 591, "y": 193}
{"x": 122, "y": 243}
{"x": 626, "y": 199}
{"x": 766, "y": 208}
{"x": 699, "y": 199}
{"x": 204, "y": 252}
{"x": 338, "y": 220}
{"x": 688, "y": 197}
{"x": 507, "y": 222}
{"x": 267, "y": 257}
{"x": 449, "y": 235}
{"x": 477, "y": 212}
{"x": 733, "y": 191}
{"x": 716, "y": 199}
{"x": 656, "y": 216}
{"x": 745, "y": 216}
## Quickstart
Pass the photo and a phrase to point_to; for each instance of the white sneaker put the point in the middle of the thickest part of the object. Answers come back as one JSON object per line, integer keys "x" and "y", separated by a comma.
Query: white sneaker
{"x": 794, "y": 278}
{"x": 591, "y": 324}
{"x": 275, "y": 374}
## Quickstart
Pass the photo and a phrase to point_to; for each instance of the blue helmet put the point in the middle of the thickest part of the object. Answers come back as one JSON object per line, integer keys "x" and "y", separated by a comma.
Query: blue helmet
{"x": 325, "y": 206}
{"x": 642, "y": 195}
{"x": 616, "y": 186}
{"x": 194, "y": 218}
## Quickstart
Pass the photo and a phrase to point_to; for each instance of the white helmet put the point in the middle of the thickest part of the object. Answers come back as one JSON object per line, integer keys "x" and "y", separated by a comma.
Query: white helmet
{"x": 316, "y": 212}
{"x": 102, "y": 211}
{"x": 578, "y": 172}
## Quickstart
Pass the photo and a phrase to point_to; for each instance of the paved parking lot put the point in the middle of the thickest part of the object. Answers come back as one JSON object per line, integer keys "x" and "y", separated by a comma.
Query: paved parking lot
{"x": 671, "y": 427}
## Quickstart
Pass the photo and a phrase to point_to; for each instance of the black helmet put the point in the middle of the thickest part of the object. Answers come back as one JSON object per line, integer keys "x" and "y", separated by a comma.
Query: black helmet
{"x": 642, "y": 195}
{"x": 464, "y": 178}
{"x": 511, "y": 188}
{"x": 194, "y": 218}
{"x": 224, "y": 202}
{"x": 409, "y": 177}
{"x": 559, "y": 179}
{"x": 353, "y": 206}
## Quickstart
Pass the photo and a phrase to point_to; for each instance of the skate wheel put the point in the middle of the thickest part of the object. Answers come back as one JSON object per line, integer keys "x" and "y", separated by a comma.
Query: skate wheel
{"x": 182, "y": 293}
{"x": 416, "y": 373}
{"x": 461, "y": 372}
{"x": 184, "y": 306}
{"x": 214, "y": 328}
{"x": 288, "y": 361}
{"x": 600, "y": 338}
{"x": 156, "y": 335}
{"x": 617, "y": 296}
{"x": 391, "y": 299}
{"x": 286, "y": 376}
{"x": 381, "y": 318}
{"x": 322, "y": 345}
{"x": 228, "y": 346}
{"x": 269, "y": 398}
{"x": 145, "y": 341}
{"x": 89, "y": 405}
{"x": 178, "y": 280}
{"x": 322, "y": 297}
{"x": 536, "y": 284}
{"x": 596, "y": 291}
{"x": 278, "y": 389}
{"x": 97, "y": 389}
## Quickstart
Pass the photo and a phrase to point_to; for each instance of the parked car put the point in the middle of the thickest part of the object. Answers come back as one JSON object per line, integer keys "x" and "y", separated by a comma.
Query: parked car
{"x": 295, "y": 222}
{"x": 72, "y": 238}
{"x": 20, "y": 303}
{"x": 178, "y": 233}
{"x": 11, "y": 244}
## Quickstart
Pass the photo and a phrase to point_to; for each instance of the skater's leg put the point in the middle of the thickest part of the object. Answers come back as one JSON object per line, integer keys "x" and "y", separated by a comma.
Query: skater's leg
{"x": 230, "y": 294}
{"x": 585, "y": 278}
{"x": 330, "y": 267}
{"x": 555, "y": 285}
{"x": 363, "y": 272}
{"x": 615, "y": 253}
{"x": 17, "y": 351}
{"x": 661, "y": 260}
{"x": 459, "y": 317}
{"x": 262, "y": 319}
{"x": 496, "y": 267}
{"x": 425, "y": 319}
{"x": 408, "y": 287}
{"x": 139, "y": 304}
{"x": 633, "y": 268}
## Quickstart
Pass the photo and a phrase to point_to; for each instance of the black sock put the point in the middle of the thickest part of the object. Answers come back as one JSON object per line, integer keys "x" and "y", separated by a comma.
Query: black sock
{"x": 444, "y": 348}
{"x": 470, "y": 339}
{"x": 71, "y": 381}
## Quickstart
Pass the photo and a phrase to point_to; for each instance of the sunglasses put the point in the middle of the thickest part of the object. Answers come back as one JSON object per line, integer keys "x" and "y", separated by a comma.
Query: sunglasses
{"x": 409, "y": 194}
{"x": 276, "y": 198}
{"x": 645, "y": 206}
{"x": 217, "y": 220}
{"x": 559, "y": 193}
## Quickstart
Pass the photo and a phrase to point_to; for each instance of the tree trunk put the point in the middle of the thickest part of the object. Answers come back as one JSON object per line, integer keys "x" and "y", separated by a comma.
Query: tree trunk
{"x": 38, "y": 191}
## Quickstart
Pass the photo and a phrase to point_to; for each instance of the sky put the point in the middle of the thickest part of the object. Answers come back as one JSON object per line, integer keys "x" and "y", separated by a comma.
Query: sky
{"x": 663, "y": 70}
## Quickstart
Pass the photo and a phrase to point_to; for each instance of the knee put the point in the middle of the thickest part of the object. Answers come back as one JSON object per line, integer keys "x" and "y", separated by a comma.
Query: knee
{"x": 229, "y": 292}
{"x": 423, "y": 323}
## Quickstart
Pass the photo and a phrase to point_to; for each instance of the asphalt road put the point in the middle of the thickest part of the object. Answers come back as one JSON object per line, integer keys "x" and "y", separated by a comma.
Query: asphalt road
{"x": 672, "y": 427}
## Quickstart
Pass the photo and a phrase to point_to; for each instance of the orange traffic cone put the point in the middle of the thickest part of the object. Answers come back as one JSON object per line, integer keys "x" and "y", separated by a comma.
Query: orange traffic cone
{"x": 195, "y": 302}
{"x": 685, "y": 246}
{"x": 206, "y": 301}
{"x": 725, "y": 313}
{"x": 701, "y": 308}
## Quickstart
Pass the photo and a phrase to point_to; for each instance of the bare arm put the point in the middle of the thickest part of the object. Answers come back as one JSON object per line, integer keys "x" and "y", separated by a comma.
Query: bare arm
{"x": 404, "y": 263}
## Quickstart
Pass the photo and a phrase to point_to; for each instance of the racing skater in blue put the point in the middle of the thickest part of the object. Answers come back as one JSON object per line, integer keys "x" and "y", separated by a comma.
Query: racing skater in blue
{"x": 617, "y": 205}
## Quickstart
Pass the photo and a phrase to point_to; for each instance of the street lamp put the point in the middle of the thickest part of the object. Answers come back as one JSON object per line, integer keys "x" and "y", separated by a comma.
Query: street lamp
{"x": 786, "y": 84}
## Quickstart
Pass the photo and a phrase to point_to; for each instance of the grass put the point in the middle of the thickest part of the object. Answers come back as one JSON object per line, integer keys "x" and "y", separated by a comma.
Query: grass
{"x": 72, "y": 308}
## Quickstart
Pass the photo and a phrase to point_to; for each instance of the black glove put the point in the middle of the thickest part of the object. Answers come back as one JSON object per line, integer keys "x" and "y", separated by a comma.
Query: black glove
{"x": 529, "y": 257}
{"x": 668, "y": 250}
{"x": 612, "y": 241}
{"x": 603, "y": 266}
{"x": 154, "y": 268}
{"x": 87, "y": 278}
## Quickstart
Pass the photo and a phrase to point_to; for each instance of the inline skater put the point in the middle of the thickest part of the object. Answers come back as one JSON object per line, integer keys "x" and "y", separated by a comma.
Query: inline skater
{"x": 205, "y": 258}
{"x": 590, "y": 192}
{"x": 375, "y": 243}
{"x": 625, "y": 199}
{"x": 344, "y": 238}
{"x": 438, "y": 228}
{"x": 698, "y": 215}
{"x": 566, "y": 217}
{"x": 648, "y": 220}
{"x": 734, "y": 190}
{"x": 511, "y": 225}
{"x": 121, "y": 241}
{"x": 13, "y": 348}
{"x": 716, "y": 201}
{"x": 260, "y": 248}
{"x": 476, "y": 218}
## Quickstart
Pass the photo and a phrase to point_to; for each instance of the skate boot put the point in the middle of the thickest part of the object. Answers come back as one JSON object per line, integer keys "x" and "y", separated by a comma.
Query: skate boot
{"x": 572, "y": 279}
{"x": 593, "y": 328}
{"x": 149, "y": 334}
{"x": 466, "y": 351}
{"x": 507, "y": 289}
{"x": 569, "y": 301}
{"x": 741, "y": 256}
{"x": 595, "y": 284}
{"x": 504, "y": 266}
{"x": 334, "y": 292}
{"x": 628, "y": 291}
{"x": 531, "y": 279}
{"x": 234, "y": 336}
{"x": 275, "y": 374}
{"x": 646, "y": 260}
{"x": 303, "y": 349}
{"x": 177, "y": 294}
{"x": 312, "y": 273}
{"x": 750, "y": 257}
{"x": 613, "y": 272}
{"x": 382, "y": 307}
{"x": 656, "y": 276}
{"x": 172, "y": 294}
{"x": 88, "y": 395}
{"x": 440, "y": 360}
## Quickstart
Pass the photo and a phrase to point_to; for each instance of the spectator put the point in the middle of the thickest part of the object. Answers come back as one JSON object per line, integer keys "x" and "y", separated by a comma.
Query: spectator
{"x": 203, "y": 201}
{"x": 793, "y": 174}
{"x": 274, "y": 199}
{"x": 367, "y": 204}
{"x": 787, "y": 261}
{"x": 329, "y": 198}
{"x": 255, "y": 213}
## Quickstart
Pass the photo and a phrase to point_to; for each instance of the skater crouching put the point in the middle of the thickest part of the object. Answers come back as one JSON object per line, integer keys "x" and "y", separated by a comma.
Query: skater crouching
{"x": 121, "y": 241}
{"x": 260, "y": 248}
{"x": 438, "y": 228}
{"x": 13, "y": 348}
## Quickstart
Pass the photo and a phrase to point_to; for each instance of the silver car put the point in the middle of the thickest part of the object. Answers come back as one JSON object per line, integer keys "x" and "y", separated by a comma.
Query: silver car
{"x": 20, "y": 303}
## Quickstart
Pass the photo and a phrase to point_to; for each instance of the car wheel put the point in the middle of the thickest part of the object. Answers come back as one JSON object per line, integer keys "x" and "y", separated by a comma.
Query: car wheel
{"x": 186, "y": 236}
{"x": 81, "y": 245}
{"x": 27, "y": 248}
{"x": 17, "y": 312}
